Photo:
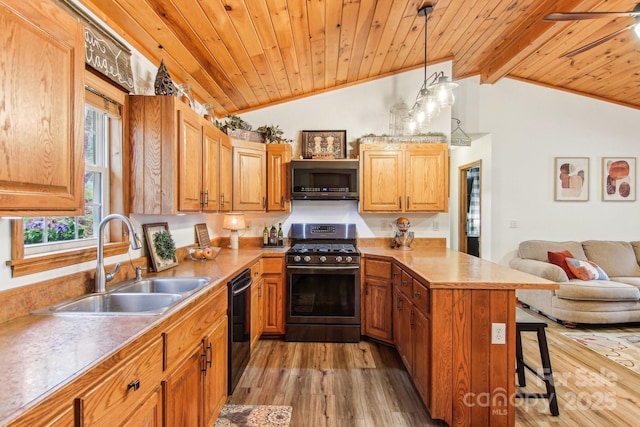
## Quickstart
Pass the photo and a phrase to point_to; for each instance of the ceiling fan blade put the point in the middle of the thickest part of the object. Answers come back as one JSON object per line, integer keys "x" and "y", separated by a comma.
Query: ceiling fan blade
{"x": 597, "y": 42}
{"x": 577, "y": 16}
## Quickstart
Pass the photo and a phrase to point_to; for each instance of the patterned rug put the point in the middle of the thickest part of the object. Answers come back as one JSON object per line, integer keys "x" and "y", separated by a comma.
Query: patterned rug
{"x": 254, "y": 416}
{"x": 622, "y": 348}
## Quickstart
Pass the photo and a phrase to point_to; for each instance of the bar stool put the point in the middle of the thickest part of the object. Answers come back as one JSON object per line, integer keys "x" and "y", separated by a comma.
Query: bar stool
{"x": 528, "y": 323}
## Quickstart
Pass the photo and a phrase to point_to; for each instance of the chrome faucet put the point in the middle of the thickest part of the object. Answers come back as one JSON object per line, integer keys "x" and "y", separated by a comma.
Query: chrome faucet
{"x": 103, "y": 277}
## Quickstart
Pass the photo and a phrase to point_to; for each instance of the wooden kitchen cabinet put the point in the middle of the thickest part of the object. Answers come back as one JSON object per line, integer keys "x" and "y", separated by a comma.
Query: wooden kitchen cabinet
{"x": 226, "y": 174}
{"x": 273, "y": 295}
{"x": 42, "y": 140}
{"x": 257, "y": 303}
{"x": 377, "y": 301}
{"x": 249, "y": 176}
{"x": 196, "y": 388}
{"x": 278, "y": 177}
{"x": 176, "y": 158}
{"x": 404, "y": 177}
{"x": 123, "y": 393}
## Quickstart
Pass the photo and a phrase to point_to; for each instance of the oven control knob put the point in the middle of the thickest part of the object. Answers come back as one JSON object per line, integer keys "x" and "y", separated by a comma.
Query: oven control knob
{"x": 307, "y": 258}
{"x": 323, "y": 258}
{"x": 338, "y": 258}
{"x": 349, "y": 259}
{"x": 297, "y": 258}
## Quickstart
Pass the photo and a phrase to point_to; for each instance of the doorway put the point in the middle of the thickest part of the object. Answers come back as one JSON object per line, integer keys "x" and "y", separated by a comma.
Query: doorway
{"x": 469, "y": 212}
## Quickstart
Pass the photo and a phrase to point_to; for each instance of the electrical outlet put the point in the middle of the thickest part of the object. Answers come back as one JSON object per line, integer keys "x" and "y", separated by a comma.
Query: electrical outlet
{"x": 436, "y": 226}
{"x": 498, "y": 333}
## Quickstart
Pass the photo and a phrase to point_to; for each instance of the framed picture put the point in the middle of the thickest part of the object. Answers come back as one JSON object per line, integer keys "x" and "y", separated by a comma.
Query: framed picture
{"x": 571, "y": 178}
{"x": 618, "y": 178}
{"x": 324, "y": 144}
{"x": 162, "y": 248}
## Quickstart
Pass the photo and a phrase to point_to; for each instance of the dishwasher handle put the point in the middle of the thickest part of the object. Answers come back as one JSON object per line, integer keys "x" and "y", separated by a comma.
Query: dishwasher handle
{"x": 241, "y": 283}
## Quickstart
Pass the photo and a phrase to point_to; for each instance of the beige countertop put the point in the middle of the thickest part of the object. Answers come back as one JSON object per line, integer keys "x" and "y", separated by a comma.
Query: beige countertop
{"x": 40, "y": 354}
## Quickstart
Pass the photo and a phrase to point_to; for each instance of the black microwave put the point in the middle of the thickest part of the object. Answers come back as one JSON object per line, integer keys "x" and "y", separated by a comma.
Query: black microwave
{"x": 324, "y": 179}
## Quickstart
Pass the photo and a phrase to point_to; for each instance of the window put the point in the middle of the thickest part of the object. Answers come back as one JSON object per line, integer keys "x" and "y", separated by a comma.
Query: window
{"x": 51, "y": 242}
{"x": 46, "y": 234}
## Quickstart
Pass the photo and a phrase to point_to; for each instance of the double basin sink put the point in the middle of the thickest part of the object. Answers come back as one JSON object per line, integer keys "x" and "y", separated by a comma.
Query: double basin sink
{"x": 147, "y": 296}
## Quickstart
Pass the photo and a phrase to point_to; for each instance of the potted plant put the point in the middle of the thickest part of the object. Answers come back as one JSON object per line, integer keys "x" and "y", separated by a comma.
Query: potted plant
{"x": 273, "y": 134}
{"x": 235, "y": 127}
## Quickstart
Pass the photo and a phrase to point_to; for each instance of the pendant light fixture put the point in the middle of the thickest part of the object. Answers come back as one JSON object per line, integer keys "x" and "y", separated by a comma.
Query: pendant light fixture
{"x": 436, "y": 91}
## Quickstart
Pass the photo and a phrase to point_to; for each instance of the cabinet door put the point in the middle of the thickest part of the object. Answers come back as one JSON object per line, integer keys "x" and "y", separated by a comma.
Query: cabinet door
{"x": 149, "y": 414}
{"x": 210, "y": 169}
{"x": 273, "y": 300}
{"x": 422, "y": 347}
{"x": 183, "y": 393}
{"x": 377, "y": 306}
{"x": 41, "y": 137}
{"x": 278, "y": 177}
{"x": 190, "y": 154}
{"x": 427, "y": 178}
{"x": 402, "y": 336}
{"x": 381, "y": 183}
{"x": 226, "y": 174}
{"x": 249, "y": 177}
{"x": 215, "y": 373}
{"x": 256, "y": 311}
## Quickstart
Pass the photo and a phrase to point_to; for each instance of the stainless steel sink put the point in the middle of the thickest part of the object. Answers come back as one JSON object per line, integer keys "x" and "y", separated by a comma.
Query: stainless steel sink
{"x": 181, "y": 285}
{"x": 116, "y": 304}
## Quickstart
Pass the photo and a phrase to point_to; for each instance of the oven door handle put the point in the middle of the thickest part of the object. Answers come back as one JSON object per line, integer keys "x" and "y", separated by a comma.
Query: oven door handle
{"x": 243, "y": 286}
{"x": 316, "y": 267}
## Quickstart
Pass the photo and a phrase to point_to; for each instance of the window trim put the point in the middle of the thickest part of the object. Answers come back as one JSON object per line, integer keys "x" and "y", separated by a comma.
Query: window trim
{"x": 22, "y": 266}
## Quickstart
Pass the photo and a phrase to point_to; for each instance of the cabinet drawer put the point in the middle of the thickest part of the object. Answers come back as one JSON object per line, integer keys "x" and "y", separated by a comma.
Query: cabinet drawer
{"x": 257, "y": 270}
{"x": 377, "y": 268}
{"x": 188, "y": 332}
{"x": 396, "y": 275}
{"x": 124, "y": 390}
{"x": 272, "y": 265}
{"x": 420, "y": 296}
{"x": 406, "y": 283}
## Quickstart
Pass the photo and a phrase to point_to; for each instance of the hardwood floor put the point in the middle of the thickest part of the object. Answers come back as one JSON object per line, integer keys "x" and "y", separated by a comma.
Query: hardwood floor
{"x": 365, "y": 384}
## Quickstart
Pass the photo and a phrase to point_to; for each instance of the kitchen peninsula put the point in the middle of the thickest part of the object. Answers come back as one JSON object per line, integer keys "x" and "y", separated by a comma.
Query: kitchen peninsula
{"x": 47, "y": 361}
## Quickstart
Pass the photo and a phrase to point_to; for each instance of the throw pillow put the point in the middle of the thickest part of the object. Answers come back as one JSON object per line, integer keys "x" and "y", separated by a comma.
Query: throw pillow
{"x": 558, "y": 258}
{"x": 586, "y": 270}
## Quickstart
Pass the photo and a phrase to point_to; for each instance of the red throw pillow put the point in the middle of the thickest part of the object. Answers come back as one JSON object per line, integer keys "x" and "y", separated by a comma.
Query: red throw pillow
{"x": 558, "y": 258}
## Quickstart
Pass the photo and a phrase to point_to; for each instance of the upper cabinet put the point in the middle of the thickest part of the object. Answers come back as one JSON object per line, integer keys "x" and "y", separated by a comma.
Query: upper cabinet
{"x": 175, "y": 159}
{"x": 249, "y": 176}
{"x": 404, "y": 177}
{"x": 41, "y": 137}
{"x": 278, "y": 177}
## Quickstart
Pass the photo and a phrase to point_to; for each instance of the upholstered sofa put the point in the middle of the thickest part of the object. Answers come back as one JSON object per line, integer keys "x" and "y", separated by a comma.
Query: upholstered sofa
{"x": 594, "y": 300}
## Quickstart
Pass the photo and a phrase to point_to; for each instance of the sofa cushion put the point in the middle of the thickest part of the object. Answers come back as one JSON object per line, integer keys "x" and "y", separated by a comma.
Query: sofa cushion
{"x": 559, "y": 259}
{"x": 586, "y": 270}
{"x": 537, "y": 249}
{"x": 615, "y": 258}
{"x": 634, "y": 281}
{"x": 636, "y": 249}
{"x": 597, "y": 290}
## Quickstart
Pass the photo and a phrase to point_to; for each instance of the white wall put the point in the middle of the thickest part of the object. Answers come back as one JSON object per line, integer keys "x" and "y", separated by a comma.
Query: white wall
{"x": 530, "y": 125}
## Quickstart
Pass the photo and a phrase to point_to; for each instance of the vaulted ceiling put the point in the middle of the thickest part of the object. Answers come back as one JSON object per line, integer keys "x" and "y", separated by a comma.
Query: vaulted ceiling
{"x": 241, "y": 55}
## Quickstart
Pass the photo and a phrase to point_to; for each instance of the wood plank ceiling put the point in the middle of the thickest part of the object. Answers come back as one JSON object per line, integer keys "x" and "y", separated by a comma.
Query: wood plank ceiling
{"x": 241, "y": 55}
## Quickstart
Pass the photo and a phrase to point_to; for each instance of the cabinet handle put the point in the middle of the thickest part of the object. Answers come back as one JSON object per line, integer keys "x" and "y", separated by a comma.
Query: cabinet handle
{"x": 264, "y": 202}
{"x": 400, "y": 201}
{"x": 222, "y": 200}
{"x": 404, "y": 283}
{"x": 411, "y": 317}
{"x": 282, "y": 202}
{"x": 135, "y": 385}
{"x": 207, "y": 356}
{"x": 399, "y": 304}
{"x": 260, "y": 291}
{"x": 408, "y": 202}
{"x": 205, "y": 198}
{"x": 417, "y": 294}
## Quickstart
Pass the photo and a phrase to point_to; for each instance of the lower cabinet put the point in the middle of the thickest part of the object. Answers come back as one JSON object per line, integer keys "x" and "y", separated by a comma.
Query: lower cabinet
{"x": 273, "y": 294}
{"x": 377, "y": 318}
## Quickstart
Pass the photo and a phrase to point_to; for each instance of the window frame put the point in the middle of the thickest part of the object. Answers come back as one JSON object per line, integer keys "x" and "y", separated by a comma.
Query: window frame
{"x": 22, "y": 265}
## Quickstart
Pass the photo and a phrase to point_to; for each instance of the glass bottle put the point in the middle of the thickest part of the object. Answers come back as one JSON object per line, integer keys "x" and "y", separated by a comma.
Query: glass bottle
{"x": 273, "y": 236}
{"x": 265, "y": 235}
{"x": 280, "y": 235}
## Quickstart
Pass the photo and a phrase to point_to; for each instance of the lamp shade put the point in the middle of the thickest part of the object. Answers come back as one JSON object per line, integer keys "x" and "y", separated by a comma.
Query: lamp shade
{"x": 233, "y": 221}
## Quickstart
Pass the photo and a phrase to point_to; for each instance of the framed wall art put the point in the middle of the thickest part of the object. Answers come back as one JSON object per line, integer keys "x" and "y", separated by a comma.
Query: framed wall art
{"x": 571, "y": 178}
{"x": 324, "y": 144}
{"x": 162, "y": 248}
{"x": 618, "y": 178}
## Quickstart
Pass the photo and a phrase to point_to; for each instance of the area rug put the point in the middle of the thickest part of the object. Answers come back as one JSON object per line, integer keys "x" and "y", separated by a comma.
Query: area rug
{"x": 254, "y": 416}
{"x": 622, "y": 348}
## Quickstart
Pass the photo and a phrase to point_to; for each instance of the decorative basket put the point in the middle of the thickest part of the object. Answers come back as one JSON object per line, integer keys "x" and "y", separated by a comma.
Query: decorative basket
{"x": 247, "y": 135}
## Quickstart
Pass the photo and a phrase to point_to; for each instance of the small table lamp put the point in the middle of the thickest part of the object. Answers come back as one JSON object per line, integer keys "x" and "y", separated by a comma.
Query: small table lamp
{"x": 233, "y": 221}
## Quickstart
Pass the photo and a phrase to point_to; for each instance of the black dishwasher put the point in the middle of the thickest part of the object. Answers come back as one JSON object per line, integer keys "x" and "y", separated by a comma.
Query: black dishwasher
{"x": 239, "y": 326}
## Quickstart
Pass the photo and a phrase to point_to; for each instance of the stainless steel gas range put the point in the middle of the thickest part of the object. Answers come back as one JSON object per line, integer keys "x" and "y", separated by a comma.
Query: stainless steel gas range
{"x": 323, "y": 283}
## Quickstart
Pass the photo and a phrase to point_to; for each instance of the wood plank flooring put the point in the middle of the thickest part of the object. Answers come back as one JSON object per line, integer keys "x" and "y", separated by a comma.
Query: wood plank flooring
{"x": 365, "y": 385}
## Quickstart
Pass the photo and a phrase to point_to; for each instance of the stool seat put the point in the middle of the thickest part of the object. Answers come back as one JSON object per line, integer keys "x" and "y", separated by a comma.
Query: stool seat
{"x": 528, "y": 323}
